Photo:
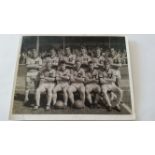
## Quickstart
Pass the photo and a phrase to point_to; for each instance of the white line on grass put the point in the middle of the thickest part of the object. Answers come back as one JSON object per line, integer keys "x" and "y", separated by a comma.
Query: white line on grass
{"x": 126, "y": 107}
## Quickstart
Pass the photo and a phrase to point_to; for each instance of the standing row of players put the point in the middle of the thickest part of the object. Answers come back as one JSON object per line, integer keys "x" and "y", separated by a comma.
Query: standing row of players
{"x": 119, "y": 56}
{"x": 72, "y": 73}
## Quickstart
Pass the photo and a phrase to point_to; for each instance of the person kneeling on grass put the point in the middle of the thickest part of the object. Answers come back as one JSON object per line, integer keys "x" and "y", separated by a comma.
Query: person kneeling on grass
{"x": 108, "y": 84}
{"x": 47, "y": 83}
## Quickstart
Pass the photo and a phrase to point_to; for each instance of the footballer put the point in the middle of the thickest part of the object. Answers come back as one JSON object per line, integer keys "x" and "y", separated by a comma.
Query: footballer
{"x": 52, "y": 58}
{"x": 47, "y": 84}
{"x": 92, "y": 84}
{"x": 77, "y": 82}
{"x": 33, "y": 65}
{"x": 85, "y": 58}
{"x": 98, "y": 59}
{"x": 69, "y": 58}
{"x": 108, "y": 84}
{"x": 116, "y": 64}
{"x": 62, "y": 79}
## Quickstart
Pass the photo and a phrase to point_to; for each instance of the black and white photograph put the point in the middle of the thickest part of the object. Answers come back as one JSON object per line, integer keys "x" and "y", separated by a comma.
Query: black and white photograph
{"x": 75, "y": 77}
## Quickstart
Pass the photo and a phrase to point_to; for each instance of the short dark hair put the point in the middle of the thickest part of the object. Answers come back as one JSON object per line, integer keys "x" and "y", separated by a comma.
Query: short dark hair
{"x": 83, "y": 47}
{"x": 68, "y": 47}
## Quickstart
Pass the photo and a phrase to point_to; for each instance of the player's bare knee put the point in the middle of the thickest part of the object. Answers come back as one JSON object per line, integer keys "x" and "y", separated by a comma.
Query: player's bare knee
{"x": 70, "y": 91}
{"x": 65, "y": 91}
{"x": 49, "y": 92}
{"x": 87, "y": 87}
{"x": 83, "y": 90}
{"x": 38, "y": 91}
{"x": 54, "y": 91}
{"x": 98, "y": 90}
{"x": 27, "y": 88}
{"x": 121, "y": 91}
{"x": 104, "y": 89}
{"x": 87, "y": 91}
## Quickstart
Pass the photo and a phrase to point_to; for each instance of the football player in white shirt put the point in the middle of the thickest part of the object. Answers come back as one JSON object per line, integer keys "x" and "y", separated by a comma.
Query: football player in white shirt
{"x": 52, "y": 58}
{"x": 47, "y": 83}
{"x": 85, "y": 58}
{"x": 109, "y": 58}
{"x": 108, "y": 84}
{"x": 98, "y": 59}
{"x": 33, "y": 65}
{"x": 92, "y": 84}
{"x": 62, "y": 78}
{"x": 77, "y": 82}
{"x": 61, "y": 54}
{"x": 69, "y": 58}
{"x": 115, "y": 64}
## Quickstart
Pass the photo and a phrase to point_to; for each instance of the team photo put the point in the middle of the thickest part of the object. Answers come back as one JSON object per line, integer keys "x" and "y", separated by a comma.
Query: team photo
{"x": 73, "y": 75}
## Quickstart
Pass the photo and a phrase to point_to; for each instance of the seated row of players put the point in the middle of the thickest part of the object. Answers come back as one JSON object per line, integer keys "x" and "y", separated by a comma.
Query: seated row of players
{"x": 72, "y": 74}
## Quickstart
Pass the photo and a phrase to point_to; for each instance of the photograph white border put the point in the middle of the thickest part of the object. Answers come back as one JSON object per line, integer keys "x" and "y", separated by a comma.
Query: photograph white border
{"x": 78, "y": 117}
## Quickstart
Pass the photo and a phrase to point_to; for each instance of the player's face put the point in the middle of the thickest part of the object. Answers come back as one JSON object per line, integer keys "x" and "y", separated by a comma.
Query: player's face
{"x": 98, "y": 52}
{"x": 63, "y": 67}
{"x": 107, "y": 66}
{"x": 113, "y": 52}
{"x": 119, "y": 51}
{"x": 48, "y": 65}
{"x": 53, "y": 53}
{"x": 43, "y": 54}
{"x": 103, "y": 54}
{"x": 78, "y": 64}
{"x": 61, "y": 52}
{"x": 92, "y": 66}
{"x": 34, "y": 53}
{"x": 68, "y": 51}
{"x": 84, "y": 51}
{"x": 78, "y": 52}
{"x": 29, "y": 53}
{"x": 106, "y": 55}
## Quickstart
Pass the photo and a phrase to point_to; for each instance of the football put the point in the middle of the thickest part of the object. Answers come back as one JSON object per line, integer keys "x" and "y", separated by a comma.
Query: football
{"x": 78, "y": 104}
{"x": 59, "y": 105}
